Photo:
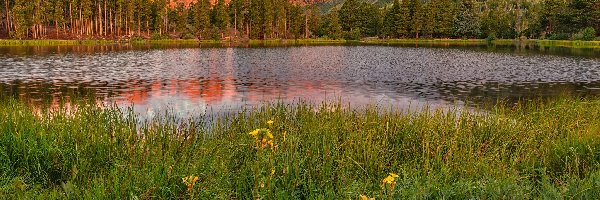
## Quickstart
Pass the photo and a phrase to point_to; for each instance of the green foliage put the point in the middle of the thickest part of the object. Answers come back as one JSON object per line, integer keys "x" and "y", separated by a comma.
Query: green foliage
{"x": 466, "y": 23}
{"x": 360, "y": 15}
{"x": 491, "y": 37}
{"x": 157, "y": 36}
{"x": 201, "y": 13}
{"x": 281, "y": 19}
{"x": 355, "y": 34}
{"x": 559, "y": 36}
{"x": 587, "y": 34}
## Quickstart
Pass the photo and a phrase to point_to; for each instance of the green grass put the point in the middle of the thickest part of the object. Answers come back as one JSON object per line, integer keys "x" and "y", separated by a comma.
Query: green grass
{"x": 548, "y": 150}
{"x": 569, "y": 43}
{"x": 319, "y": 41}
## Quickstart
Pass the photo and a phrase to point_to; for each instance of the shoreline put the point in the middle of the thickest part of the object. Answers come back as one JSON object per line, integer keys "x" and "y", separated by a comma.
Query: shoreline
{"x": 285, "y": 42}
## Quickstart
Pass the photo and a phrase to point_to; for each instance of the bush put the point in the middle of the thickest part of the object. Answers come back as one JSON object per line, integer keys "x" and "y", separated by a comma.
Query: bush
{"x": 156, "y": 36}
{"x": 491, "y": 37}
{"x": 352, "y": 35}
{"x": 558, "y": 36}
{"x": 588, "y": 33}
{"x": 137, "y": 39}
{"x": 188, "y": 36}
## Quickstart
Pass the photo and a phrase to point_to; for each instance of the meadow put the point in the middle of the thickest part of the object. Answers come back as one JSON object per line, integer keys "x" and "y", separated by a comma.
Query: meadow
{"x": 540, "y": 149}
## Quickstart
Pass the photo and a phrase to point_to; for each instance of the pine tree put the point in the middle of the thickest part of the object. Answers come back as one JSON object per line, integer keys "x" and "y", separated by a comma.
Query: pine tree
{"x": 404, "y": 19}
{"x": 202, "y": 18}
{"x": 348, "y": 14}
{"x": 444, "y": 18}
{"x": 466, "y": 22}
{"x": 220, "y": 17}
{"x": 21, "y": 13}
{"x": 391, "y": 19}
{"x": 415, "y": 16}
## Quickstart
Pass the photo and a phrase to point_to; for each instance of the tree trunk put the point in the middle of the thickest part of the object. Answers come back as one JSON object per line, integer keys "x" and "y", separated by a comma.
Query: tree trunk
{"x": 56, "y": 25}
{"x": 306, "y": 23}
{"x": 71, "y": 16}
{"x": 105, "y": 19}
{"x": 235, "y": 23}
{"x": 7, "y": 17}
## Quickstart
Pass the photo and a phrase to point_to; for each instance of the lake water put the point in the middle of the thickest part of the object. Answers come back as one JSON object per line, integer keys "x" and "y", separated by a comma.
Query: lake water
{"x": 195, "y": 81}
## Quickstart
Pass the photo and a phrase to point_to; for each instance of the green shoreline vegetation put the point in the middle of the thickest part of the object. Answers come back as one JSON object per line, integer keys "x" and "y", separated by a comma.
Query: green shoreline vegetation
{"x": 540, "y": 149}
{"x": 317, "y": 42}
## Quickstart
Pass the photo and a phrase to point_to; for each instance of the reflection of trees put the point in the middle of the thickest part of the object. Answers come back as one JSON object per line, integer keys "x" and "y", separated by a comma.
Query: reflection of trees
{"x": 490, "y": 92}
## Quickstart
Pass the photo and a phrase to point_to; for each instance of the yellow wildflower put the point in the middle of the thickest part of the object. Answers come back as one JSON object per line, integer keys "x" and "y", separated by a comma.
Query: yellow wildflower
{"x": 254, "y": 132}
{"x": 269, "y": 134}
{"x": 363, "y": 197}
{"x": 388, "y": 180}
{"x": 189, "y": 181}
{"x": 391, "y": 179}
{"x": 270, "y": 122}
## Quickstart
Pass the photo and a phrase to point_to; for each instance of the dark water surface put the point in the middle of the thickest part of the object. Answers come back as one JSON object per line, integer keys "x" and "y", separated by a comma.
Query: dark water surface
{"x": 193, "y": 81}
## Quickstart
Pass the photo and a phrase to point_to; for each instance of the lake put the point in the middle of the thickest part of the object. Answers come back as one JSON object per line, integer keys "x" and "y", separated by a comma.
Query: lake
{"x": 196, "y": 81}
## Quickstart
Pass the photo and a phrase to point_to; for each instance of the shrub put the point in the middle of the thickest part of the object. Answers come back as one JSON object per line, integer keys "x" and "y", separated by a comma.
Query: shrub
{"x": 156, "y": 36}
{"x": 491, "y": 37}
{"x": 588, "y": 34}
{"x": 558, "y": 36}
{"x": 352, "y": 35}
{"x": 188, "y": 36}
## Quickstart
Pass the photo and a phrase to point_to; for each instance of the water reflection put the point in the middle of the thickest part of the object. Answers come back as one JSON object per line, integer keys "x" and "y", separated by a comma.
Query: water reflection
{"x": 195, "y": 81}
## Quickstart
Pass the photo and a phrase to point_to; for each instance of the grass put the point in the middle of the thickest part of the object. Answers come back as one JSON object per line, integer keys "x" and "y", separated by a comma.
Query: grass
{"x": 318, "y": 41}
{"x": 569, "y": 43}
{"x": 548, "y": 150}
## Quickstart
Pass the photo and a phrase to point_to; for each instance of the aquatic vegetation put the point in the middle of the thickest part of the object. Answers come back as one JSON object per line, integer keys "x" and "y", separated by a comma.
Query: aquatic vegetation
{"x": 538, "y": 149}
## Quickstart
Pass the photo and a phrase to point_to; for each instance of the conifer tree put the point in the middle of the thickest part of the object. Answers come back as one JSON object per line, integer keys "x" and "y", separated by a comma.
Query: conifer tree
{"x": 202, "y": 18}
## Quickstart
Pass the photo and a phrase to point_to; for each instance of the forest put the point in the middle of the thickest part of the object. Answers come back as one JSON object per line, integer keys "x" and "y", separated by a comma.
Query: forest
{"x": 282, "y": 19}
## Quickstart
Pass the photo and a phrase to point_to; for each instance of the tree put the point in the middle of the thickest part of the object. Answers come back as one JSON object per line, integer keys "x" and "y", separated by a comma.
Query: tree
{"x": 314, "y": 20}
{"x": 445, "y": 18}
{"x": 220, "y": 17}
{"x": 466, "y": 22}
{"x": 430, "y": 17}
{"x": 349, "y": 15}
{"x": 202, "y": 18}
{"x": 404, "y": 19}
{"x": 390, "y": 20}
{"x": 415, "y": 15}
{"x": 333, "y": 27}
{"x": 22, "y": 22}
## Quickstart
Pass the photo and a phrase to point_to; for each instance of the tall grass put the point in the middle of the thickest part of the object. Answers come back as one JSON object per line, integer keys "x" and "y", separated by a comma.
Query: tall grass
{"x": 531, "y": 150}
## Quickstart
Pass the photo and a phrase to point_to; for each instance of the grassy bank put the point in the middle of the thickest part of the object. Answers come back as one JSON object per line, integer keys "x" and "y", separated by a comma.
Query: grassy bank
{"x": 537, "y": 150}
{"x": 304, "y": 42}
{"x": 171, "y": 42}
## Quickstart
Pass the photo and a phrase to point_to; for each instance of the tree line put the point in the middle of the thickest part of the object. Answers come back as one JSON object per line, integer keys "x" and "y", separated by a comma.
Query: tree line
{"x": 271, "y": 19}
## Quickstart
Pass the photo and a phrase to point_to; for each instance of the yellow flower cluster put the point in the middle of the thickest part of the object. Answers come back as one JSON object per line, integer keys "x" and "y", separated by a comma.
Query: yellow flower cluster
{"x": 263, "y": 136}
{"x": 363, "y": 197}
{"x": 390, "y": 179}
{"x": 190, "y": 181}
